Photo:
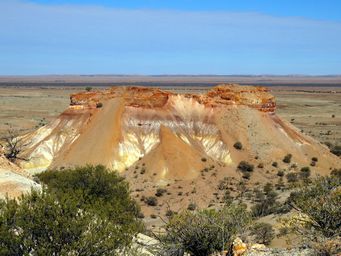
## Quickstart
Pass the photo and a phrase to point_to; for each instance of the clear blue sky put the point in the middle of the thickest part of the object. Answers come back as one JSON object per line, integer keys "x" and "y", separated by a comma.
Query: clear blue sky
{"x": 170, "y": 37}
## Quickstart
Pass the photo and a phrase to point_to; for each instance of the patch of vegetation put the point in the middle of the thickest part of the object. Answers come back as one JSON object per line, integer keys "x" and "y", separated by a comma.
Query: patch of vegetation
{"x": 204, "y": 232}
{"x": 88, "y": 88}
{"x": 287, "y": 158}
{"x": 266, "y": 202}
{"x": 151, "y": 201}
{"x": 192, "y": 206}
{"x": 318, "y": 221}
{"x": 99, "y": 104}
{"x": 280, "y": 173}
{"x": 160, "y": 192}
{"x": 245, "y": 166}
{"x": 81, "y": 211}
{"x": 238, "y": 145}
{"x": 305, "y": 173}
{"x": 275, "y": 164}
{"x": 263, "y": 233}
{"x": 292, "y": 177}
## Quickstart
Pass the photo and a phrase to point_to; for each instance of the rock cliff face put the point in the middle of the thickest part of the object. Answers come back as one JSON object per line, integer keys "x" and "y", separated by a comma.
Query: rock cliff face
{"x": 174, "y": 135}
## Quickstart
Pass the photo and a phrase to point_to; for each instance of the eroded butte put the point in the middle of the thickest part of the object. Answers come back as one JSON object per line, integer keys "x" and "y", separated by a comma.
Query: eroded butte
{"x": 174, "y": 135}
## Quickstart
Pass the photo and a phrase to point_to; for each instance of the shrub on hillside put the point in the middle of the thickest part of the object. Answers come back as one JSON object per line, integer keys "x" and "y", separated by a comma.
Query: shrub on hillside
{"x": 81, "y": 211}
{"x": 238, "y": 145}
{"x": 151, "y": 201}
{"x": 292, "y": 177}
{"x": 263, "y": 233}
{"x": 160, "y": 192}
{"x": 204, "y": 232}
{"x": 305, "y": 172}
{"x": 287, "y": 158}
{"x": 245, "y": 167}
{"x": 318, "y": 221}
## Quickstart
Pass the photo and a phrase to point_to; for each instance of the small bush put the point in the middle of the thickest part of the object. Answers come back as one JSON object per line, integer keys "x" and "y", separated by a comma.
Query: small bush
{"x": 336, "y": 150}
{"x": 88, "y": 88}
{"x": 99, "y": 104}
{"x": 292, "y": 177}
{"x": 160, "y": 192}
{"x": 245, "y": 167}
{"x": 305, "y": 172}
{"x": 153, "y": 216}
{"x": 275, "y": 164}
{"x": 260, "y": 166}
{"x": 203, "y": 159}
{"x": 191, "y": 206}
{"x": 287, "y": 158}
{"x": 169, "y": 213}
{"x": 280, "y": 173}
{"x": 314, "y": 159}
{"x": 238, "y": 145}
{"x": 151, "y": 201}
{"x": 263, "y": 232}
{"x": 204, "y": 232}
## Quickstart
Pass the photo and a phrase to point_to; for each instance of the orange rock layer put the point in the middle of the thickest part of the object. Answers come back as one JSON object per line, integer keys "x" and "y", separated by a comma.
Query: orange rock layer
{"x": 147, "y": 97}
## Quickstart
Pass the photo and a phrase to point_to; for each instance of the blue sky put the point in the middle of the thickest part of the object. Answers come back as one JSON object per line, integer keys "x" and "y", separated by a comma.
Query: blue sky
{"x": 170, "y": 37}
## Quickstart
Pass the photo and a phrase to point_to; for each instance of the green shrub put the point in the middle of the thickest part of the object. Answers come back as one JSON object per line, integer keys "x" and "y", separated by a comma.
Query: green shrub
{"x": 151, "y": 201}
{"x": 238, "y": 145}
{"x": 81, "y": 211}
{"x": 88, "y": 88}
{"x": 319, "y": 222}
{"x": 275, "y": 164}
{"x": 160, "y": 192}
{"x": 292, "y": 177}
{"x": 280, "y": 173}
{"x": 336, "y": 150}
{"x": 245, "y": 167}
{"x": 263, "y": 233}
{"x": 204, "y": 232}
{"x": 266, "y": 202}
{"x": 191, "y": 206}
{"x": 305, "y": 172}
{"x": 287, "y": 158}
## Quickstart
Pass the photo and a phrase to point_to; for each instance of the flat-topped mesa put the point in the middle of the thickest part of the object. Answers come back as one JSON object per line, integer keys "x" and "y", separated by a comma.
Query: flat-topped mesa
{"x": 148, "y": 97}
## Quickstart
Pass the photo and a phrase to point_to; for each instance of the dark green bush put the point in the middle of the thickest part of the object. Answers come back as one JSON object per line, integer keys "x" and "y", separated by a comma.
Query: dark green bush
{"x": 81, "y": 211}
{"x": 305, "y": 172}
{"x": 287, "y": 158}
{"x": 238, "y": 145}
{"x": 292, "y": 177}
{"x": 160, "y": 192}
{"x": 319, "y": 204}
{"x": 151, "y": 201}
{"x": 204, "y": 232}
{"x": 263, "y": 233}
{"x": 245, "y": 167}
{"x": 191, "y": 206}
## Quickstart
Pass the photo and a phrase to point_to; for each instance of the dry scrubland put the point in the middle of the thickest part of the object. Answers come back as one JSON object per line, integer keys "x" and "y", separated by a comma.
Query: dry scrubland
{"x": 314, "y": 110}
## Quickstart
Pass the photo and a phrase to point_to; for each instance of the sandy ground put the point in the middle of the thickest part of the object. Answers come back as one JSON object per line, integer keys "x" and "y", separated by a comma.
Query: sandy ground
{"x": 309, "y": 108}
